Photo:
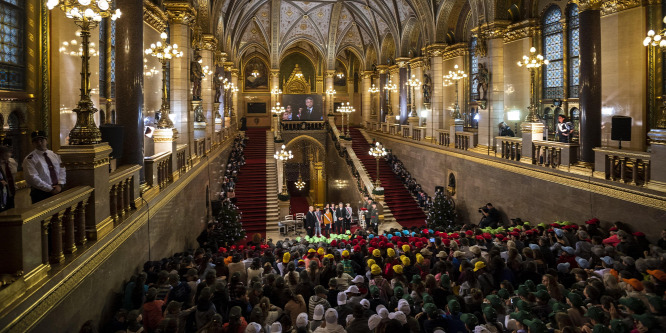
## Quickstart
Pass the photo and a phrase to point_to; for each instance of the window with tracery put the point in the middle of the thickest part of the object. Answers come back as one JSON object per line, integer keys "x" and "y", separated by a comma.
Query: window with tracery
{"x": 12, "y": 44}
{"x": 574, "y": 48}
{"x": 553, "y": 46}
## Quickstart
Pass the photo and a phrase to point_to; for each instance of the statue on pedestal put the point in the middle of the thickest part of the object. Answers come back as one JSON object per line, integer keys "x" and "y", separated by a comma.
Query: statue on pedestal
{"x": 427, "y": 86}
{"x": 482, "y": 79}
{"x": 217, "y": 85}
{"x": 196, "y": 75}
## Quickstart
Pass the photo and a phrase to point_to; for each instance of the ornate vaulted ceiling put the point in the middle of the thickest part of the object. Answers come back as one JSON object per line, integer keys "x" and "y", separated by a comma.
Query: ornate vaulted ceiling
{"x": 375, "y": 30}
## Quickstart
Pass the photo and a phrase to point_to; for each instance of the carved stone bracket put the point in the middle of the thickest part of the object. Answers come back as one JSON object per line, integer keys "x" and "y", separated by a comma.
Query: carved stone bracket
{"x": 180, "y": 12}
{"x": 584, "y": 5}
{"x": 520, "y": 30}
{"x": 382, "y": 69}
{"x": 455, "y": 50}
{"x": 208, "y": 42}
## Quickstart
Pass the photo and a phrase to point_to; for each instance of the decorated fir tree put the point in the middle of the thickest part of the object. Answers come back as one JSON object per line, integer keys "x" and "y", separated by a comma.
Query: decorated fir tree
{"x": 229, "y": 228}
{"x": 442, "y": 215}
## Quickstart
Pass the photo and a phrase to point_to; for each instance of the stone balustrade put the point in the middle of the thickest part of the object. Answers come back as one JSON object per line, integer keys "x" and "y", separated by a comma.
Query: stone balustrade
{"x": 385, "y": 127}
{"x": 419, "y": 133}
{"x": 123, "y": 190}
{"x": 44, "y": 234}
{"x": 405, "y": 132}
{"x": 303, "y": 125}
{"x": 181, "y": 158}
{"x": 465, "y": 140}
{"x": 200, "y": 147}
{"x": 511, "y": 147}
{"x": 554, "y": 154}
{"x": 158, "y": 169}
{"x": 443, "y": 137}
{"x": 394, "y": 129}
{"x": 624, "y": 166}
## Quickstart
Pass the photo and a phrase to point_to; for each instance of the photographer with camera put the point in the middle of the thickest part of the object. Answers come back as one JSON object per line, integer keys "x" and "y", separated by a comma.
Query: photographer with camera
{"x": 491, "y": 217}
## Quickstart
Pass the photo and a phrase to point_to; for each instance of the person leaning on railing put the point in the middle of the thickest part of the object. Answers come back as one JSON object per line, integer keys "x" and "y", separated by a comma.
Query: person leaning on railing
{"x": 43, "y": 169}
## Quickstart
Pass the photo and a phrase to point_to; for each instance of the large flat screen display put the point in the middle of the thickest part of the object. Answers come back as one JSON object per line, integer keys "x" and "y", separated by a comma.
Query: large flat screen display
{"x": 309, "y": 107}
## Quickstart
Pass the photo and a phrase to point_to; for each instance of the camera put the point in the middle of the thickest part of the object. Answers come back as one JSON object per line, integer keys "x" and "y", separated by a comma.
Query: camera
{"x": 483, "y": 209}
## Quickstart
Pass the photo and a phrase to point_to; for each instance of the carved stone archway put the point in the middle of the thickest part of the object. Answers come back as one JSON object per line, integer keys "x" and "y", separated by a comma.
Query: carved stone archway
{"x": 296, "y": 83}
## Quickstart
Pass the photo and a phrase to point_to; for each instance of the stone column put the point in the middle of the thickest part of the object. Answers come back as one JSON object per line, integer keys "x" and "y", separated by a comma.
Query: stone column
{"x": 381, "y": 105}
{"x": 403, "y": 75}
{"x": 208, "y": 84}
{"x": 320, "y": 192}
{"x": 234, "y": 98}
{"x": 437, "y": 97}
{"x": 590, "y": 79}
{"x": 328, "y": 84}
{"x": 494, "y": 112}
{"x": 129, "y": 71}
{"x": 416, "y": 66}
{"x": 367, "y": 98}
{"x": 181, "y": 14}
{"x": 394, "y": 73}
{"x": 275, "y": 83}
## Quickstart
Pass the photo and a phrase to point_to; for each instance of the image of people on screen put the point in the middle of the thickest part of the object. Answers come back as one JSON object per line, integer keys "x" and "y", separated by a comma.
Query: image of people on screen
{"x": 302, "y": 108}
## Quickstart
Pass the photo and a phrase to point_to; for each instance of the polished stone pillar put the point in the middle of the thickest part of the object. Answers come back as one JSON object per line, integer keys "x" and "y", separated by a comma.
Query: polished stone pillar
{"x": 416, "y": 66}
{"x": 437, "y": 97}
{"x": 590, "y": 81}
{"x": 493, "y": 114}
{"x": 237, "y": 115}
{"x": 394, "y": 72}
{"x": 381, "y": 105}
{"x": 367, "y": 98}
{"x": 208, "y": 85}
{"x": 403, "y": 75}
{"x": 129, "y": 75}
{"x": 328, "y": 84}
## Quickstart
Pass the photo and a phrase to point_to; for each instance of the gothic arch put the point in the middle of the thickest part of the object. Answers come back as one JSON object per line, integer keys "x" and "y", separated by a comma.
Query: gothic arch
{"x": 388, "y": 48}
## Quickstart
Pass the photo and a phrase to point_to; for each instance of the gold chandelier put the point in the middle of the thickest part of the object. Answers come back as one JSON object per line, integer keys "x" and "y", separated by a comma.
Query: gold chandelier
{"x": 300, "y": 184}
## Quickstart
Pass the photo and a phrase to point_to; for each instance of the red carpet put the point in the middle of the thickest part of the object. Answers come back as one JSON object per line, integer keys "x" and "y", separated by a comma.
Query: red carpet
{"x": 251, "y": 184}
{"x": 405, "y": 209}
{"x": 298, "y": 205}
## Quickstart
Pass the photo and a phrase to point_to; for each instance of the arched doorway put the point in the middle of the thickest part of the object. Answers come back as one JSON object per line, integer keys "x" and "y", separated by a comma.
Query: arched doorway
{"x": 308, "y": 163}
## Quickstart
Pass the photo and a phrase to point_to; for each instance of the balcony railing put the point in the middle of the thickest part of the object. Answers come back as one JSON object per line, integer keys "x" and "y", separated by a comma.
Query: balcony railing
{"x": 465, "y": 140}
{"x": 419, "y": 133}
{"x": 443, "y": 137}
{"x": 625, "y": 166}
{"x": 121, "y": 193}
{"x": 303, "y": 125}
{"x": 511, "y": 147}
{"x": 394, "y": 129}
{"x": 554, "y": 154}
{"x": 158, "y": 169}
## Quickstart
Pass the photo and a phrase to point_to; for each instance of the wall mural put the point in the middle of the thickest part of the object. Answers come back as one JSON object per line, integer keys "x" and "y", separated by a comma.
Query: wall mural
{"x": 256, "y": 75}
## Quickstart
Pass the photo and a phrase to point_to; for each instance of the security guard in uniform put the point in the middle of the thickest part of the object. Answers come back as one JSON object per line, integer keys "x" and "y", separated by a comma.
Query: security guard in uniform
{"x": 43, "y": 170}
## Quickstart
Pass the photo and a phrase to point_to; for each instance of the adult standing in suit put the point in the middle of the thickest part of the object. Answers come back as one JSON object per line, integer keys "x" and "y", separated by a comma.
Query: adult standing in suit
{"x": 311, "y": 113}
{"x": 374, "y": 217}
{"x": 341, "y": 214}
{"x": 310, "y": 221}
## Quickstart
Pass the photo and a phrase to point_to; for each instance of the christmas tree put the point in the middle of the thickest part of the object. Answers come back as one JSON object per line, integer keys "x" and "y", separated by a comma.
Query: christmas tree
{"x": 229, "y": 227}
{"x": 442, "y": 215}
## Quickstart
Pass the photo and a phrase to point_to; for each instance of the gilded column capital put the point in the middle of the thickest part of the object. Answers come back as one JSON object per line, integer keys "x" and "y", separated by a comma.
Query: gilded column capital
{"x": 394, "y": 69}
{"x": 234, "y": 72}
{"x": 275, "y": 72}
{"x": 496, "y": 29}
{"x": 228, "y": 65}
{"x": 154, "y": 16}
{"x": 382, "y": 69}
{"x": 329, "y": 73}
{"x": 435, "y": 50}
{"x": 614, "y": 6}
{"x": 367, "y": 74}
{"x": 208, "y": 42}
{"x": 180, "y": 12}
{"x": 402, "y": 61}
{"x": 584, "y": 5}
{"x": 220, "y": 58}
{"x": 455, "y": 50}
{"x": 416, "y": 62}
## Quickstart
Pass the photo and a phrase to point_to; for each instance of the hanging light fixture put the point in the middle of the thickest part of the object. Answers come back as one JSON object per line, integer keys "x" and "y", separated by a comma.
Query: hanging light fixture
{"x": 300, "y": 184}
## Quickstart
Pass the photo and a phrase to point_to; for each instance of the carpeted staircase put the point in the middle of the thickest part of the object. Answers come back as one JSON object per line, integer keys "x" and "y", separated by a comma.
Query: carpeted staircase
{"x": 403, "y": 206}
{"x": 251, "y": 184}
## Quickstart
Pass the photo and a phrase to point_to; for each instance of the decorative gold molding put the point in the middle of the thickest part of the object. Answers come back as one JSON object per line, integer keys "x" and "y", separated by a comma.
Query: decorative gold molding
{"x": 329, "y": 73}
{"x": 402, "y": 61}
{"x": 584, "y": 5}
{"x": 416, "y": 62}
{"x": 524, "y": 29}
{"x": 493, "y": 30}
{"x": 615, "y": 6}
{"x": 154, "y": 16}
{"x": 394, "y": 69}
{"x": 435, "y": 50}
{"x": 220, "y": 58}
{"x": 382, "y": 69}
{"x": 180, "y": 12}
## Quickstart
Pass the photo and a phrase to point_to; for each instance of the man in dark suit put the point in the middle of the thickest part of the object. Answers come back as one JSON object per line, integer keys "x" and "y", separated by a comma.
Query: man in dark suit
{"x": 310, "y": 221}
{"x": 374, "y": 217}
{"x": 341, "y": 214}
{"x": 311, "y": 113}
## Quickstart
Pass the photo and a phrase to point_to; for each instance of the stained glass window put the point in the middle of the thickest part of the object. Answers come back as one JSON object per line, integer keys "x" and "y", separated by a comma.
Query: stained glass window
{"x": 574, "y": 48}
{"x": 553, "y": 79}
{"x": 474, "y": 69}
{"x": 102, "y": 58}
{"x": 12, "y": 44}
{"x": 113, "y": 59}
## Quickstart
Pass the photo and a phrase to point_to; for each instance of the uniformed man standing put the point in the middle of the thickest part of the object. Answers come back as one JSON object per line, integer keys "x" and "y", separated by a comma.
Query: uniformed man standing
{"x": 564, "y": 129}
{"x": 43, "y": 169}
{"x": 374, "y": 217}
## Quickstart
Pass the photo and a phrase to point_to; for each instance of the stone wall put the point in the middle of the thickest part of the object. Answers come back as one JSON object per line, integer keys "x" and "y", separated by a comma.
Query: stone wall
{"x": 160, "y": 232}
{"x": 519, "y": 191}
